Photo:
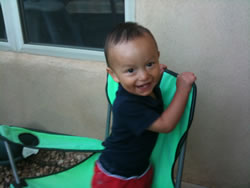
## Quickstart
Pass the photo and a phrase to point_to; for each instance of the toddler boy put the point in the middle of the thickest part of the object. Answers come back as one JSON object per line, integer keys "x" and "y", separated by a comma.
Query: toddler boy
{"x": 138, "y": 116}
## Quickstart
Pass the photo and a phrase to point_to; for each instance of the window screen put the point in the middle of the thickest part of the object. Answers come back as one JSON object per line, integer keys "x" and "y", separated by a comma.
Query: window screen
{"x": 75, "y": 23}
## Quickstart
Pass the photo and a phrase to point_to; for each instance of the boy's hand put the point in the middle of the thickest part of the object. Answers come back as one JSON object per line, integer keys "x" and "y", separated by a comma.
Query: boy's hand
{"x": 185, "y": 81}
{"x": 163, "y": 67}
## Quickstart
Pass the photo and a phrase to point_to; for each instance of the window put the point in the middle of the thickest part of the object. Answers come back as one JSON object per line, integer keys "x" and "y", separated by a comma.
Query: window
{"x": 81, "y": 23}
{"x": 68, "y": 28}
{"x": 3, "y": 36}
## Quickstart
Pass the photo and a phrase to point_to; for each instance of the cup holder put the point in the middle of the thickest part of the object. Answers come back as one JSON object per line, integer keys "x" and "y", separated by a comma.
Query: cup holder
{"x": 28, "y": 139}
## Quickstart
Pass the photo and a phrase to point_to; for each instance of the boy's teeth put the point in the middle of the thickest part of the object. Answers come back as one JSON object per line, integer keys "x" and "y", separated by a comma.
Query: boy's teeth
{"x": 144, "y": 85}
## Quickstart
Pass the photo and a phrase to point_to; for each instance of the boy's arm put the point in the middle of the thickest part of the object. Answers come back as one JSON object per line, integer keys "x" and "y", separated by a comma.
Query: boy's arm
{"x": 171, "y": 116}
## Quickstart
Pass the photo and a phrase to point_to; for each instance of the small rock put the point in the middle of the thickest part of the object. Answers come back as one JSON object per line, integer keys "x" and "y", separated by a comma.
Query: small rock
{"x": 60, "y": 162}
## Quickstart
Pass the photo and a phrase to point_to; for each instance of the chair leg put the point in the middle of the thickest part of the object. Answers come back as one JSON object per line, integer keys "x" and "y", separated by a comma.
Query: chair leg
{"x": 180, "y": 165}
{"x": 12, "y": 162}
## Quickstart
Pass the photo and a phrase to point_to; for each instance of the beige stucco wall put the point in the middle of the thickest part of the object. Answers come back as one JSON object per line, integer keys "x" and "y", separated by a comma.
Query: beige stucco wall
{"x": 55, "y": 94}
{"x": 209, "y": 37}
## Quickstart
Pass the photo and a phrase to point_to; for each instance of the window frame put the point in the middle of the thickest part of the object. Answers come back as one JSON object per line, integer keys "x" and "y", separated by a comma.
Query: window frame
{"x": 15, "y": 41}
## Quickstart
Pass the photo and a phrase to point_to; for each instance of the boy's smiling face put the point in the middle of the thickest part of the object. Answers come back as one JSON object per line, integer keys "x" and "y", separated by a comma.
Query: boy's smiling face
{"x": 135, "y": 65}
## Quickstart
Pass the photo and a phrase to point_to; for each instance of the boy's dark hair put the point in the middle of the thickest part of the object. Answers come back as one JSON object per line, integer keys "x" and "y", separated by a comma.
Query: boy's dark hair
{"x": 124, "y": 32}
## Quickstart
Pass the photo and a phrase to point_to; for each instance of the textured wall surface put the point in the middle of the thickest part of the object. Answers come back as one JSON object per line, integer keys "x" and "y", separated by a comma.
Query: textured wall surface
{"x": 53, "y": 94}
{"x": 210, "y": 38}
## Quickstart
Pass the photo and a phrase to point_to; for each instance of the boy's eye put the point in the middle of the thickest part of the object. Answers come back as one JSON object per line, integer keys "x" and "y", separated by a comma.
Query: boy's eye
{"x": 130, "y": 70}
{"x": 150, "y": 64}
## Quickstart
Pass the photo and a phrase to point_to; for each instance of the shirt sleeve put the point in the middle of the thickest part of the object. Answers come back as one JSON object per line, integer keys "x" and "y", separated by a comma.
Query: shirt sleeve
{"x": 137, "y": 116}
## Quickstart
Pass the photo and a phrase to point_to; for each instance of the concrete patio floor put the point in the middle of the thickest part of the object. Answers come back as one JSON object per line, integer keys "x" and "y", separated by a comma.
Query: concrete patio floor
{"x": 189, "y": 185}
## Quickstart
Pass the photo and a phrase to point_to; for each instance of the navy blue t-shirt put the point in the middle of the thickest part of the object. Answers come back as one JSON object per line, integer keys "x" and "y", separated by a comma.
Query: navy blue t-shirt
{"x": 129, "y": 147}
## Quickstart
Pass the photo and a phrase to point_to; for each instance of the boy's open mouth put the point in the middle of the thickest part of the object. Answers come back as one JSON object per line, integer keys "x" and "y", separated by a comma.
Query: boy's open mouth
{"x": 144, "y": 86}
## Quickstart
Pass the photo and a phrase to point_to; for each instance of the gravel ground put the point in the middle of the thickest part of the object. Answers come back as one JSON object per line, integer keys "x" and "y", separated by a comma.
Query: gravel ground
{"x": 44, "y": 163}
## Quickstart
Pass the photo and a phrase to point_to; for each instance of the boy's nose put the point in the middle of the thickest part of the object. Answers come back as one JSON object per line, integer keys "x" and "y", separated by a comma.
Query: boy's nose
{"x": 143, "y": 75}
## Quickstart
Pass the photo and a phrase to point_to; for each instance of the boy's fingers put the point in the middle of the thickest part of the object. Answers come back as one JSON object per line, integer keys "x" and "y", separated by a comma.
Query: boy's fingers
{"x": 188, "y": 76}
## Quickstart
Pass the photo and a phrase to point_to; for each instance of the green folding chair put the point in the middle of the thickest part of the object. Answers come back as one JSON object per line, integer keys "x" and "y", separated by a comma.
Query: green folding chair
{"x": 168, "y": 148}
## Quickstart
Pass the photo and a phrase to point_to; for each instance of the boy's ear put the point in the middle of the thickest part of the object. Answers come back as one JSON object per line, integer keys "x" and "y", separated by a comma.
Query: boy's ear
{"x": 112, "y": 74}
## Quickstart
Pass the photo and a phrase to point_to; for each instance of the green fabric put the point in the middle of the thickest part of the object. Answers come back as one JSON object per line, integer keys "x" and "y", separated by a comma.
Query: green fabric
{"x": 165, "y": 152}
{"x": 111, "y": 89}
{"x": 52, "y": 141}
